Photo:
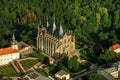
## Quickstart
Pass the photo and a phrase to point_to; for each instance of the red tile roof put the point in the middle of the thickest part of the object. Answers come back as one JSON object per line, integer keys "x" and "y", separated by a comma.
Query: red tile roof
{"x": 5, "y": 51}
{"x": 115, "y": 46}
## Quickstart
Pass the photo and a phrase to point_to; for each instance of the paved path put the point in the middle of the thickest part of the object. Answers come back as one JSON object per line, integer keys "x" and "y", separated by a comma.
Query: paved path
{"x": 18, "y": 66}
{"x": 84, "y": 47}
{"x": 13, "y": 64}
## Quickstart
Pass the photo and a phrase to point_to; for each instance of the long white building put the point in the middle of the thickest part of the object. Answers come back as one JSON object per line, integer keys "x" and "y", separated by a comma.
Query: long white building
{"x": 8, "y": 54}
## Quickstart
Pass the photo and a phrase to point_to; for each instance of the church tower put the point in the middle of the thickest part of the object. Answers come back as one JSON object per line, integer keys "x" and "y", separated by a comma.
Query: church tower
{"x": 14, "y": 43}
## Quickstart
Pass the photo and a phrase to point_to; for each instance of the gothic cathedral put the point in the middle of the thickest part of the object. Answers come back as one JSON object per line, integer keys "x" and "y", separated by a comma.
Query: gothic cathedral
{"x": 53, "y": 40}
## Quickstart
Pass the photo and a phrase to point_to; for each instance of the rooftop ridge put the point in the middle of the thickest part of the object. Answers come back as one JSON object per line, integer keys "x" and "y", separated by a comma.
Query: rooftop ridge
{"x": 9, "y": 50}
{"x": 115, "y": 46}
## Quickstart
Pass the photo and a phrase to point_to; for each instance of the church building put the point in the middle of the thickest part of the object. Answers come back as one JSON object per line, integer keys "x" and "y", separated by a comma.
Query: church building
{"x": 10, "y": 53}
{"x": 53, "y": 40}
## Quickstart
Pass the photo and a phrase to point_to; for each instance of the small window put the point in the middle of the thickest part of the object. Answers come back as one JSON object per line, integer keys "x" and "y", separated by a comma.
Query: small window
{"x": 67, "y": 52}
{"x": 65, "y": 41}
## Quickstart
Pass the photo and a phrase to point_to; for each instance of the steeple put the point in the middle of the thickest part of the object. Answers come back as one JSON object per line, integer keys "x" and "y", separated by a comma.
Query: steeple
{"x": 61, "y": 31}
{"x": 14, "y": 43}
{"x": 13, "y": 40}
{"x": 13, "y": 37}
{"x": 47, "y": 23}
{"x": 54, "y": 25}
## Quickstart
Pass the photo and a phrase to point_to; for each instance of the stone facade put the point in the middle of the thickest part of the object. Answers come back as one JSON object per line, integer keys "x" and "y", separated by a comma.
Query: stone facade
{"x": 53, "y": 40}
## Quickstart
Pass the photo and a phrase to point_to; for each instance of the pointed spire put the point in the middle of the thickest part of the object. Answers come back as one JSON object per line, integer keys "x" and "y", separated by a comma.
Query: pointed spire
{"x": 61, "y": 31}
{"x": 54, "y": 25}
{"x": 47, "y": 23}
{"x": 14, "y": 43}
{"x": 13, "y": 40}
{"x": 13, "y": 37}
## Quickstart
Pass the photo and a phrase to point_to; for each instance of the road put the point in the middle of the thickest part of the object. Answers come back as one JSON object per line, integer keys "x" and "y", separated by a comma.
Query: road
{"x": 86, "y": 73}
{"x": 81, "y": 75}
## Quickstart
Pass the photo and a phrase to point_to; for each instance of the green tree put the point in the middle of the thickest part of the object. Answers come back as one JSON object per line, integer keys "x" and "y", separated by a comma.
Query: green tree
{"x": 95, "y": 76}
{"x": 117, "y": 19}
{"x": 46, "y": 61}
{"x": 82, "y": 16}
{"x": 79, "y": 79}
{"x": 64, "y": 60}
{"x": 73, "y": 64}
{"x": 108, "y": 56}
{"x": 1, "y": 77}
{"x": 118, "y": 57}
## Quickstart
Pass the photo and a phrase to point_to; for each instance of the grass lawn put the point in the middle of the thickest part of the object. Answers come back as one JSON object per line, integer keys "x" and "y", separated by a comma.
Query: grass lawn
{"x": 28, "y": 63}
{"x": 36, "y": 54}
{"x": 7, "y": 70}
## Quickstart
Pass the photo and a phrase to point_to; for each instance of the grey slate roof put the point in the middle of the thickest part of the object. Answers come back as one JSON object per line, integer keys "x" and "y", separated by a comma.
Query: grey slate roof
{"x": 51, "y": 29}
{"x": 58, "y": 32}
{"x": 47, "y": 23}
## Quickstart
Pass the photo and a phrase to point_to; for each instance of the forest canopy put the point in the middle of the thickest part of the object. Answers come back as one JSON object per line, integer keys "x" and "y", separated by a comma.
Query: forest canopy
{"x": 91, "y": 20}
